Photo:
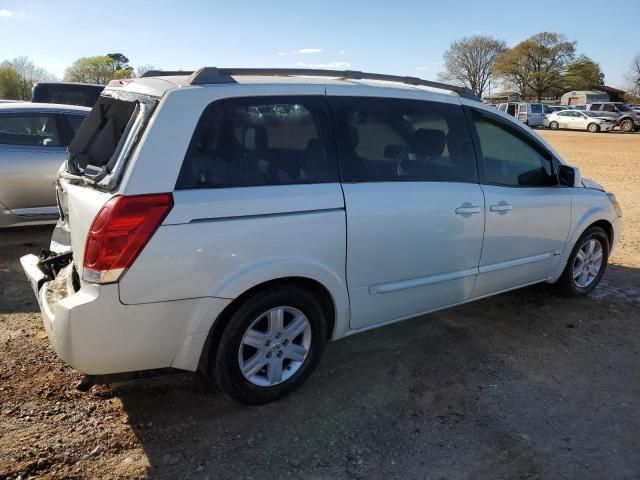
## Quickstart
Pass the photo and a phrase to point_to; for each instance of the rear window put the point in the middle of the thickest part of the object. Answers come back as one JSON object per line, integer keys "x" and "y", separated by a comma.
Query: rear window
{"x": 101, "y": 133}
{"x": 67, "y": 94}
{"x": 260, "y": 141}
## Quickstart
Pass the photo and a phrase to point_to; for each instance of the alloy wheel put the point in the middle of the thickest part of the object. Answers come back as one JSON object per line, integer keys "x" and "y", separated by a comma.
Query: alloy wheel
{"x": 587, "y": 263}
{"x": 275, "y": 346}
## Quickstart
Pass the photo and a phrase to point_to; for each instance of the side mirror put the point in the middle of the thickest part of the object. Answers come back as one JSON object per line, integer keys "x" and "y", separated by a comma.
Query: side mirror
{"x": 568, "y": 176}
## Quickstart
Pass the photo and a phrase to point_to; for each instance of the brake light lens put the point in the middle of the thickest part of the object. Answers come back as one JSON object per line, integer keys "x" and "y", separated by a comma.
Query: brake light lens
{"x": 119, "y": 232}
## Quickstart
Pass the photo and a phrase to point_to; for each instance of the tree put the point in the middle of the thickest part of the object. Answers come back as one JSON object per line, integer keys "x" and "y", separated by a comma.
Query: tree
{"x": 120, "y": 65}
{"x": 633, "y": 78}
{"x": 142, "y": 69}
{"x": 470, "y": 61}
{"x": 536, "y": 66}
{"x": 9, "y": 84}
{"x": 98, "y": 69}
{"x": 28, "y": 73}
{"x": 583, "y": 74}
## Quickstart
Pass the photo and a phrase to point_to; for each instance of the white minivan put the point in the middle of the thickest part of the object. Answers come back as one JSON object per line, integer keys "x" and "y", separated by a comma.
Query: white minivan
{"x": 232, "y": 221}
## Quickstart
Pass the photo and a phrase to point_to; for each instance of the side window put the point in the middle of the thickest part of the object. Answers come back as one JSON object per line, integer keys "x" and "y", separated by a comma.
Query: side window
{"x": 596, "y": 106}
{"x": 397, "y": 140}
{"x": 609, "y": 108}
{"x": 509, "y": 159}
{"x": 36, "y": 130}
{"x": 260, "y": 141}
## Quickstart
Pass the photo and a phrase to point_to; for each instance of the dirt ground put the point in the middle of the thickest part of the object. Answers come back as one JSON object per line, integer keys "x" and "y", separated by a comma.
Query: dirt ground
{"x": 521, "y": 386}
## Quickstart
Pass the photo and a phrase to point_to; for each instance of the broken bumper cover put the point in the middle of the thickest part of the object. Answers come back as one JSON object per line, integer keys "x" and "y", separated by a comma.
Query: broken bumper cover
{"x": 95, "y": 333}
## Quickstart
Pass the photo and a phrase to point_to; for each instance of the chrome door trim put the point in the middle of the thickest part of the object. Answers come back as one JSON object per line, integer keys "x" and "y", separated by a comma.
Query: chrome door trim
{"x": 36, "y": 211}
{"x": 420, "y": 282}
{"x": 514, "y": 263}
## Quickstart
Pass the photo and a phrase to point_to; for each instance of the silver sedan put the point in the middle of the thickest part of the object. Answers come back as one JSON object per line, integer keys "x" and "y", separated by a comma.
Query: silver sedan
{"x": 579, "y": 120}
{"x": 33, "y": 144}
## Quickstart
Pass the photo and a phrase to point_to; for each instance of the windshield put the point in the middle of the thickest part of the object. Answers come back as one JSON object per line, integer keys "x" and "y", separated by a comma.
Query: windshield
{"x": 622, "y": 107}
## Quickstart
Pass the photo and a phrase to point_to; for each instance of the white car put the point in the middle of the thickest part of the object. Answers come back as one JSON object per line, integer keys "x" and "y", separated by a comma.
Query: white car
{"x": 198, "y": 235}
{"x": 579, "y": 120}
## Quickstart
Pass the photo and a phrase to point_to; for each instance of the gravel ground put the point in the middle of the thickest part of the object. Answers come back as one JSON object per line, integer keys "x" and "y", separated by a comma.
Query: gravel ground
{"x": 523, "y": 385}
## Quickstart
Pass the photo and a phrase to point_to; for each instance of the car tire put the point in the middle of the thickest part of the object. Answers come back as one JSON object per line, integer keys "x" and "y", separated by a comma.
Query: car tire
{"x": 582, "y": 272}
{"x": 627, "y": 125}
{"x": 553, "y": 125}
{"x": 593, "y": 128}
{"x": 238, "y": 361}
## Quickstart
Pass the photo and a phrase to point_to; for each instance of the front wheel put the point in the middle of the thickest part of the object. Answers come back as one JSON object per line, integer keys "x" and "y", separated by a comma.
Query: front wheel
{"x": 593, "y": 128}
{"x": 271, "y": 345}
{"x": 586, "y": 264}
{"x": 626, "y": 125}
{"x": 553, "y": 125}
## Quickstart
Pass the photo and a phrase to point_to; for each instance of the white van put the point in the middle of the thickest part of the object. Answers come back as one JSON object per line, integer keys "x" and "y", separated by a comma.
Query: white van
{"x": 531, "y": 114}
{"x": 235, "y": 220}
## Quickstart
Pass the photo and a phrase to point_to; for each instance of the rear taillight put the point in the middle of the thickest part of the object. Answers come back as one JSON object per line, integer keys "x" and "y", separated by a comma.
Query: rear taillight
{"x": 119, "y": 232}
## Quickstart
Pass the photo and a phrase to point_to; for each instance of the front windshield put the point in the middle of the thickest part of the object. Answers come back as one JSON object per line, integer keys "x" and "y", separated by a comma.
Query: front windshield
{"x": 623, "y": 107}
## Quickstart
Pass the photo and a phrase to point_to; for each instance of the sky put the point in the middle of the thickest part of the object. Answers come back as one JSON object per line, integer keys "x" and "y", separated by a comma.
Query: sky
{"x": 395, "y": 37}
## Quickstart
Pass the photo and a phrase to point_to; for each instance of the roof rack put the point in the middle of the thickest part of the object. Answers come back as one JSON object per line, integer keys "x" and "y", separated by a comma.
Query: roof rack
{"x": 214, "y": 75}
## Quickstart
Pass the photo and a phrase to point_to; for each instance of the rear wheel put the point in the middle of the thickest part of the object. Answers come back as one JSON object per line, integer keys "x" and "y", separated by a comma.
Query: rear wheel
{"x": 271, "y": 345}
{"x": 626, "y": 125}
{"x": 593, "y": 127}
{"x": 553, "y": 125}
{"x": 586, "y": 264}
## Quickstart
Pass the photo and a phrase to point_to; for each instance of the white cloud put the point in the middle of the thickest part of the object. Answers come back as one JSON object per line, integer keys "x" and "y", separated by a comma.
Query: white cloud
{"x": 282, "y": 54}
{"x": 324, "y": 65}
{"x": 342, "y": 52}
{"x": 5, "y": 13}
{"x": 308, "y": 50}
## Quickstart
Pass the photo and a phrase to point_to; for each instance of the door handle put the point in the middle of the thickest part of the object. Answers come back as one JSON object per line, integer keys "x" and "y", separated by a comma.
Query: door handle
{"x": 501, "y": 207}
{"x": 467, "y": 209}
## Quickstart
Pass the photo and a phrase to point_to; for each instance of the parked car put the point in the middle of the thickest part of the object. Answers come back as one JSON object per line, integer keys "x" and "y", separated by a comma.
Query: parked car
{"x": 197, "y": 236}
{"x": 67, "y": 93}
{"x": 33, "y": 144}
{"x": 580, "y": 106}
{"x": 558, "y": 108}
{"x": 531, "y": 114}
{"x": 577, "y": 120}
{"x": 627, "y": 119}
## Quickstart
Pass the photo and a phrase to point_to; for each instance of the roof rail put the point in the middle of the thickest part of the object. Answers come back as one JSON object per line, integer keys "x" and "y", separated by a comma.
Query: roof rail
{"x": 165, "y": 73}
{"x": 214, "y": 75}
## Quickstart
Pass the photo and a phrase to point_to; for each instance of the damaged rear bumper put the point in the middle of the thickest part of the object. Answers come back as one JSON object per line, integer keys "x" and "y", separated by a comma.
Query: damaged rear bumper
{"x": 94, "y": 332}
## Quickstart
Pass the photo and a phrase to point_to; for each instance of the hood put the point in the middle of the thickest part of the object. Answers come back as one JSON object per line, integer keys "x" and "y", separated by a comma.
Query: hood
{"x": 591, "y": 184}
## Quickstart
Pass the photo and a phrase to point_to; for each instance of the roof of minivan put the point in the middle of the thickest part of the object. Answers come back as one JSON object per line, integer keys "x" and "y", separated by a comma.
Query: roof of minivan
{"x": 158, "y": 86}
{"x": 54, "y": 107}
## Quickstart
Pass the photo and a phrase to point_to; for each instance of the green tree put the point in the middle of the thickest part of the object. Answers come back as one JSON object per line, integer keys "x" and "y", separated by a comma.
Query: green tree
{"x": 9, "y": 84}
{"x": 98, "y": 69}
{"x": 583, "y": 74}
{"x": 28, "y": 73}
{"x": 121, "y": 66}
{"x": 470, "y": 61}
{"x": 536, "y": 65}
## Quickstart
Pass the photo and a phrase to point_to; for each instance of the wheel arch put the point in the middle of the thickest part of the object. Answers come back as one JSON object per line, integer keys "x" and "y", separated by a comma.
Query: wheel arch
{"x": 328, "y": 301}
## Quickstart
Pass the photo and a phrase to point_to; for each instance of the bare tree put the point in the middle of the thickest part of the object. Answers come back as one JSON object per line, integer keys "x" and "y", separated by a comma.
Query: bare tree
{"x": 142, "y": 69}
{"x": 633, "y": 77}
{"x": 470, "y": 61}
